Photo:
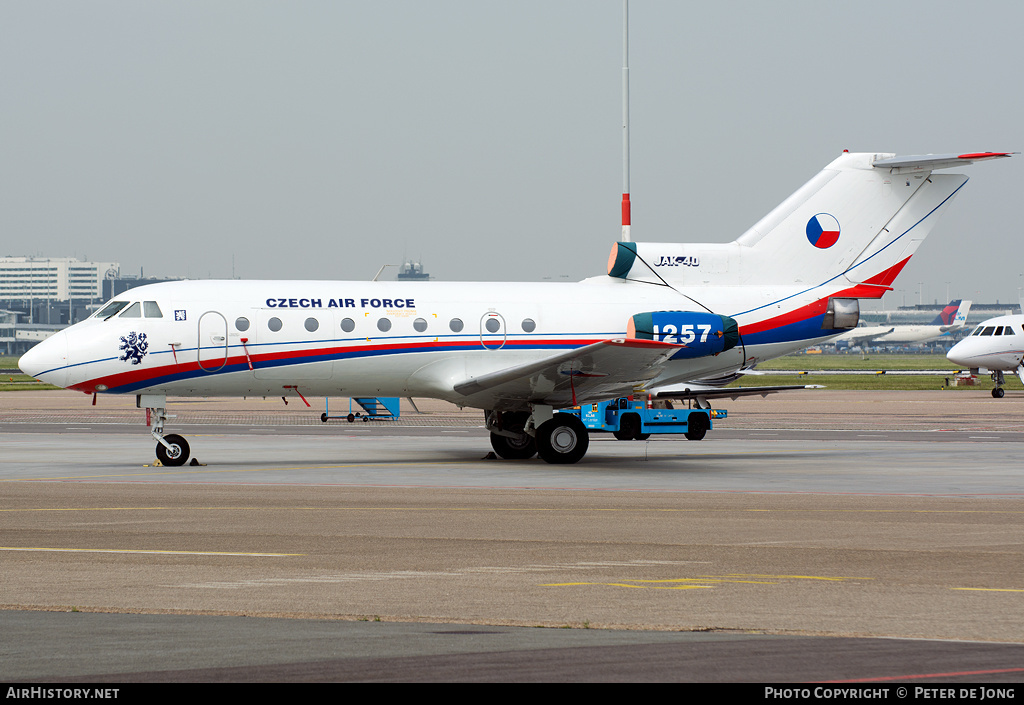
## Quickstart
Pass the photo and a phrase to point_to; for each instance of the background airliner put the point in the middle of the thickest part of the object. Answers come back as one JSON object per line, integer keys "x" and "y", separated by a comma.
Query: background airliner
{"x": 663, "y": 315}
{"x": 952, "y": 318}
{"x": 997, "y": 345}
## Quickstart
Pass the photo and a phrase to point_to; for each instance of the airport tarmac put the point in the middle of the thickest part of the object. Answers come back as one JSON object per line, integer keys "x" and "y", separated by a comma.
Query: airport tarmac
{"x": 797, "y": 533}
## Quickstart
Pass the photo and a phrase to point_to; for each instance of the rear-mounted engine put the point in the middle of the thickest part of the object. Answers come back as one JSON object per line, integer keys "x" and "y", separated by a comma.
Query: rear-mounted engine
{"x": 700, "y": 334}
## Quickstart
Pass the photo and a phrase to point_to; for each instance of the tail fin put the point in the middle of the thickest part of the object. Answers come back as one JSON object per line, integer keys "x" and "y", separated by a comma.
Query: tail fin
{"x": 948, "y": 313}
{"x": 858, "y": 221}
{"x": 960, "y": 319}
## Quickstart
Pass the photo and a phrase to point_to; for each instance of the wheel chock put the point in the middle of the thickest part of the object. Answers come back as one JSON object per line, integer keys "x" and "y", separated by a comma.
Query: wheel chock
{"x": 156, "y": 464}
{"x": 196, "y": 463}
{"x": 490, "y": 456}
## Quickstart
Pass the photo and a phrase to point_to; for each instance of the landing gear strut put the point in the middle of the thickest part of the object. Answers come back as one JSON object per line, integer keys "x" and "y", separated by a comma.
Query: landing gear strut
{"x": 172, "y": 449}
{"x": 509, "y": 438}
{"x": 561, "y": 439}
{"x": 998, "y": 378}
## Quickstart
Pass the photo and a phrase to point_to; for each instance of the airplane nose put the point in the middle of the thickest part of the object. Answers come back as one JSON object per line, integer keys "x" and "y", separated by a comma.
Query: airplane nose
{"x": 954, "y": 355}
{"x": 47, "y": 361}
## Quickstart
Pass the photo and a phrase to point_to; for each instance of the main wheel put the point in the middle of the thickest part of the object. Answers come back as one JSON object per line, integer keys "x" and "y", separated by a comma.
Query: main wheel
{"x": 998, "y": 392}
{"x": 629, "y": 428}
{"x": 177, "y": 454}
{"x": 514, "y": 448}
{"x": 696, "y": 426}
{"x": 323, "y": 417}
{"x": 563, "y": 439}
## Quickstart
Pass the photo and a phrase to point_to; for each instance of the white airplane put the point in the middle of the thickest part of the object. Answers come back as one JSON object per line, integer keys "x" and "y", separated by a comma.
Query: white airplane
{"x": 997, "y": 345}
{"x": 943, "y": 325}
{"x": 664, "y": 315}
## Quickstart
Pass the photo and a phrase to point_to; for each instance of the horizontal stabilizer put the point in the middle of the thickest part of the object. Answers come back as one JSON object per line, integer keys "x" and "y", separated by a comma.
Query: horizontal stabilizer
{"x": 930, "y": 162}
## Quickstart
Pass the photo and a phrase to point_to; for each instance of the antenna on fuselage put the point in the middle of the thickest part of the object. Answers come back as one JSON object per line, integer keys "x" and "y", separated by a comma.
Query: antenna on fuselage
{"x": 626, "y": 237}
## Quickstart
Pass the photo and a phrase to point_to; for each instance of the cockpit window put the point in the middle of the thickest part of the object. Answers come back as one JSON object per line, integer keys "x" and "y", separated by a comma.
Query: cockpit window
{"x": 151, "y": 310}
{"x": 133, "y": 311}
{"x": 977, "y": 331}
{"x": 1008, "y": 330}
{"x": 110, "y": 309}
{"x": 988, "y": 330}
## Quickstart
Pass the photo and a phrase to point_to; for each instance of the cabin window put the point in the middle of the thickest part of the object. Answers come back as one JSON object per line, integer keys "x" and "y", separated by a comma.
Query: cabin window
{"x": 420, "y": 324}
{"x": 528, "y": 325}
{"x": 111, "y": 309}
{"x": 242, "y": 323}
{"x": 455, "y": 324}
{"x": 274, "y": 324}
{"x": 988, "y": 330}
{"x": 151, "y": 310}
{"x": 493, "y": 325}
{"x": 348, "y": 325}
{"x": 312, "y": 324}
{"x": 133, "y": 311}
{"x": 383, "y": 325}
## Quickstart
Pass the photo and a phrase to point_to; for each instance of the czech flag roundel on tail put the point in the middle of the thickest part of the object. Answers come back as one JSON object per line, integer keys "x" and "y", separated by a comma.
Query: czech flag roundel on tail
{"x": 823, "y": 231}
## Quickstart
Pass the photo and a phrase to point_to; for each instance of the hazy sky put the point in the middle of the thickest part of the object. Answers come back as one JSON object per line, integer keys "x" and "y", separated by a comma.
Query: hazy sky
{"x": 323, "y": 139}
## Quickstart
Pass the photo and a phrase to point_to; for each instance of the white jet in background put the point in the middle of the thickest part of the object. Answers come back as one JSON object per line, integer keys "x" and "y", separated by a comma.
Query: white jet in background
{"x": 944, "y": 325}
{"x": 995, "y": 346}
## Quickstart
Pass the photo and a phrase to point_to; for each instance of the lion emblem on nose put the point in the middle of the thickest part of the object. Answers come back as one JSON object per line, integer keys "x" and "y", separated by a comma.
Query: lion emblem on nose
{"x": 134, "y": 346}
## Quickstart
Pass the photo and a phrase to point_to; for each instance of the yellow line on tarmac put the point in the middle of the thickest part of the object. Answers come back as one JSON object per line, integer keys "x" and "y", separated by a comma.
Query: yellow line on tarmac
{"x": 991, "y": 589}
{"x": 797, "y": 577}
{"x": 707, "y": 579}
{"x": 126, "y": 550}
{"x": 627, "y": 585}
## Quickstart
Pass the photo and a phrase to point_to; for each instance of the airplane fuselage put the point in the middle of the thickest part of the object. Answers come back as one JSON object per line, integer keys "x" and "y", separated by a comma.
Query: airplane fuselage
{"x": 996, "y": 344}
{"x": 375, "y": 338}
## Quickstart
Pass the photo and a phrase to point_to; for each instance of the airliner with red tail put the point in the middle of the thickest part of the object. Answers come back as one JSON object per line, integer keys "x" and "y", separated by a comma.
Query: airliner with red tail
{"x": 664, "y": 315}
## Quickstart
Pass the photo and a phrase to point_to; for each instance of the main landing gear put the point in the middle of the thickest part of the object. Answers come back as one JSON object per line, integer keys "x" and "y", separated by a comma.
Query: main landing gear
{"x": 172, "y": 449}
{"x": 997, "y": 377}
{"x": 561, "y": 439}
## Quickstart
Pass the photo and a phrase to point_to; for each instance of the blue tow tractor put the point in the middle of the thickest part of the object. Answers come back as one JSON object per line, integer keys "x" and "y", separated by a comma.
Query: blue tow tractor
{"x": 629, "y": 419}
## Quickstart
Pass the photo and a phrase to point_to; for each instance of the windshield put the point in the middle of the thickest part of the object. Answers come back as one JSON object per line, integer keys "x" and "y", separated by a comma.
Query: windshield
{"x": 110, "y": 309}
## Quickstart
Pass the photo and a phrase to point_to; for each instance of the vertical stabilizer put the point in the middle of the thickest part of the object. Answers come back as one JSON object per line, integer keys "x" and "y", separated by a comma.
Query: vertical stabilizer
{"x": 859, "y": 220}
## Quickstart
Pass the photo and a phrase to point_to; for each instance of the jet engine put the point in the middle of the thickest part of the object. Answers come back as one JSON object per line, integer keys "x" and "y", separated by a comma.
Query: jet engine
{"x": 700, "y": 333}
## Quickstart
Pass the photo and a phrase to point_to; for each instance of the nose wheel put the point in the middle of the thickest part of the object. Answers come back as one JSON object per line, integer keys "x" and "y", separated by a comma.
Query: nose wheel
{"x": 173, "y": 450}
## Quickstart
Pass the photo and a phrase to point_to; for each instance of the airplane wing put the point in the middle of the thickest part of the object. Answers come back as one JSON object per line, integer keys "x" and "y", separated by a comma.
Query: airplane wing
{"x": 867, "y": 337}
{"x": 701, "y": 393}
{"x": 596, "y": 372}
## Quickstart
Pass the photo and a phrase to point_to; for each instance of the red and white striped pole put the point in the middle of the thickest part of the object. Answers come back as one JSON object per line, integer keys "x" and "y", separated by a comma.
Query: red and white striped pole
{"x": 626, "y": 237}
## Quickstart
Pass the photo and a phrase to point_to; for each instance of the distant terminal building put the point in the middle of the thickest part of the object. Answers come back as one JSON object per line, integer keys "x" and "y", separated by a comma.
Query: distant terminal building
{"x": 921, "y": 314}
{"x": 412, "y": 272}
{"x": 53, "y": 278}
{"x": 39, "y": 295}
{"x": 119, "y": 285}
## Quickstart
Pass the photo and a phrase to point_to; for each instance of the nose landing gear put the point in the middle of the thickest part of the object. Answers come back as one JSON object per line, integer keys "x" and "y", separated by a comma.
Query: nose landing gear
{"x": 172, "y": 450}
{"x": 997, "y": 377}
